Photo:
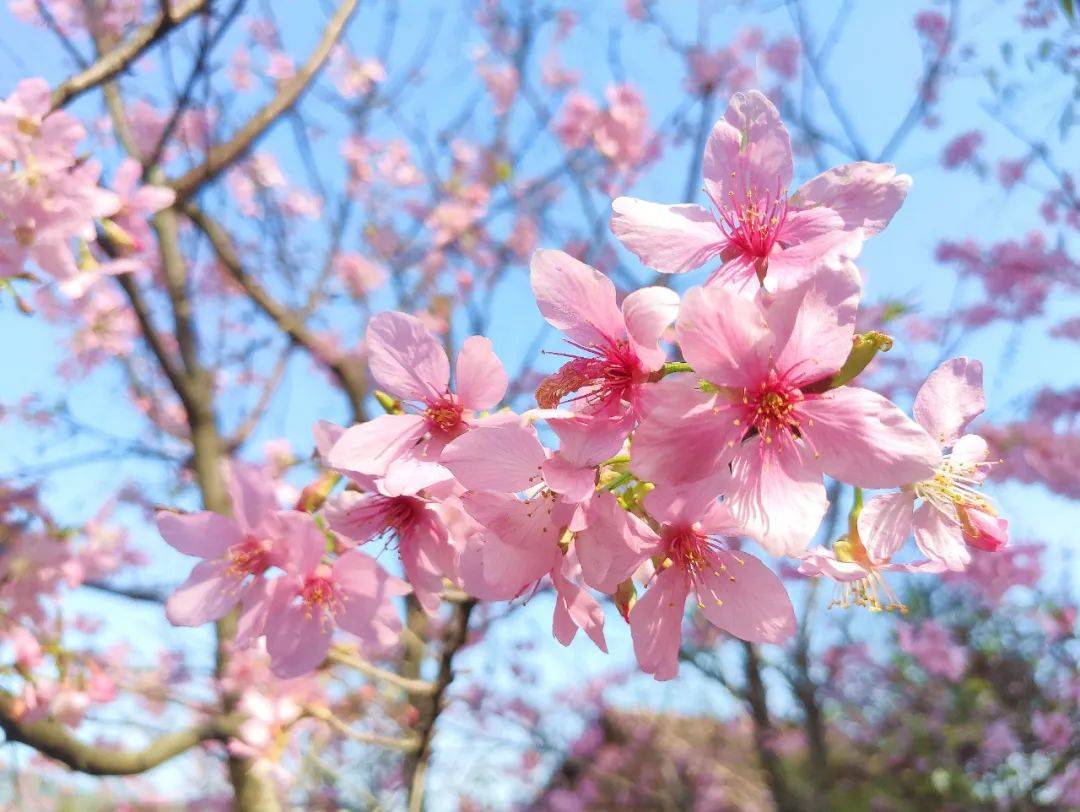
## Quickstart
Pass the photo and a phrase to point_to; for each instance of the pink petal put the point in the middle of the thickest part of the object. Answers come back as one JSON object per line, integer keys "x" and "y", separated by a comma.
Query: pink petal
{"x": 861, "y": 438}
{"x": 504, "y": 458}
{"x": 885, "y": 524}
{"x": 682, "y": 417}
{"x": 669, "y": 239}
{"x": 941, "y": 538}
{"x": 359, "y": 517}
{"x": 255, "y": 609}
{"x": 575, "y": 609}
{"x": 479, "y": 377}
{"x": 203, "y": 534}
{"x": 687, "y": 503}
{"x": 991, "y": 533}
{"x": 588, "y": 440}
{"x": 405, "y": 358}
{"x": 814, "y": 325}
{"x": 369, "y": 610}
{"x": 208, "y": 594}
{"x": 950, "y": 399}
{"x": 370, "y": 447}
{"x": 573, "y": 482}
{"x": 823, "y": 561}
{"x": 407, "y": 476}
{"x": 299, "y": 542}
{"x": 724, "y": 337}
{"x": 656, "y": 625}
{"x": 613, "y": 545}
{"x": 426, "y": 556}
{"x": 866, "y": 195}
{"x": 778, "y": 496}
{"x": 748, "y": 148}
{"x": 494, "y": 570}
{"x": 251, "y": 490}
{"x": 297, "y": 641}
{"x": 745, "y": 598}
{"x": 326, "y": 435}
{"x": 971, "y": 449}
{"x": 648, "y": 313}
{"x": 535, "y": 524}
{"x": 576, "y": 299}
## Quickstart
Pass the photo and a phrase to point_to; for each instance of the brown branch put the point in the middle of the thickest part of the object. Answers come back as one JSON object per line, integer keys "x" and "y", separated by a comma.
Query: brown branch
{"x": 222, "y": 155}
{"x": 765, "y": 733}
{"x": 53, "y": 740}
{"x": 416, "y": 766}
{"x": 126, "y": 52}
{"x": 350, "y": 376}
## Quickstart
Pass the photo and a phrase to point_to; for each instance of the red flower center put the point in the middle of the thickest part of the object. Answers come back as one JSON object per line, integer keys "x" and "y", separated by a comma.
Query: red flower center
{"x": 753, "y": 221}
{"x": 320, "y": 595}
{"x": 607, "y": 373}
{"x": 249, "y": 557}
{"x": 444, "y": 414}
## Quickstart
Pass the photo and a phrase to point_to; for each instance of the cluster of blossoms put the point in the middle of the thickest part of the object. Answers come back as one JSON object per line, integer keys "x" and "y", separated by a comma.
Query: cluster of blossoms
{"x": 51, "y": 202}
{"x": 665, "y": 471}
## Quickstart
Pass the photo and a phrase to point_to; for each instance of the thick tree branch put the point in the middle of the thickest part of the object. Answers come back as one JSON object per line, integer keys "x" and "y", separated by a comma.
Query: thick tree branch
{"x": 53, "y": 740}
{"x": 222, "y": 156}
{"x": 126, "y": 52}
{"x": 416, "y": 766}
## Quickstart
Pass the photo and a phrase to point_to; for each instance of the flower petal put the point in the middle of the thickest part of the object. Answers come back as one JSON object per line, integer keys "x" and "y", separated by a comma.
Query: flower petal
{"x": 480, "y": 378}
{"x": 950, "y": 399}
{"x": 686, "y": 436}
{"x": 208, "y": 594}
{"x": 504, "y": 458}
{"x": 885, "y": 524}
{"x": 861, "y": 438}
{"x": 204, "y": 534}
{"x": 941, "y": 538}
{"x": 749, "y": 149}
{"x": 778, "y": 496}
{"x": 648, "y": 313}
{"x": 371, "y": 446}
{"x": 724, "y": 337}
{"x": 866, "y": 195}
{"x": 745, "y": 598}
{"x": 669, "y": 239}
{"x": 656, "y": 625}
{"x": 575, "y": 298}
{"x": 613, "y": 545}
{"x": 405, "y": 358}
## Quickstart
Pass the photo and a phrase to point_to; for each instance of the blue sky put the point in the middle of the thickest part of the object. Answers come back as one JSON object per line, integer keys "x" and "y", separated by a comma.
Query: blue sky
{"x": 874, "y": 72}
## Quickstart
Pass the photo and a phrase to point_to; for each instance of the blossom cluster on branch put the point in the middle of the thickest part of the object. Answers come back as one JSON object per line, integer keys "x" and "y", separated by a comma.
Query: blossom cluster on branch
{"x": 665, "y": 472}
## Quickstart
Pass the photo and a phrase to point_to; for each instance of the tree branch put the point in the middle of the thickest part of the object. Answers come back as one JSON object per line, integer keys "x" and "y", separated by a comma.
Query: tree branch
{"x": 222, "y": 155}
{"x": 53, "y": 740}
{"x": 119, "y": 57}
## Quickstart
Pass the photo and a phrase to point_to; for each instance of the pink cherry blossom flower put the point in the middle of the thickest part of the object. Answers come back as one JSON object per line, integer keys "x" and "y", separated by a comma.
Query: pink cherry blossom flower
{"x": 518, "y": 546}
{"x": 396, "y": 506}
{"x": 735, "y": 591}
{"x": 236, "y": 552}
{"x": 620, "y": 346}
{"x": 756, "y": 229}
{"x": 859, "y": 574}
{"x": 767, "y": 410}
{"x": 304, "y": 608}
{"x": 954, "y": 514}
{"x": 409, "y": 362}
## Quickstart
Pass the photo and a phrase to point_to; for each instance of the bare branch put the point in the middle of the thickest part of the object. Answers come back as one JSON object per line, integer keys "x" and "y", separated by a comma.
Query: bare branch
{"x": 118, "y": 58}
{"x": 222, "y": 155}
{"x": 53, "y": 740}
